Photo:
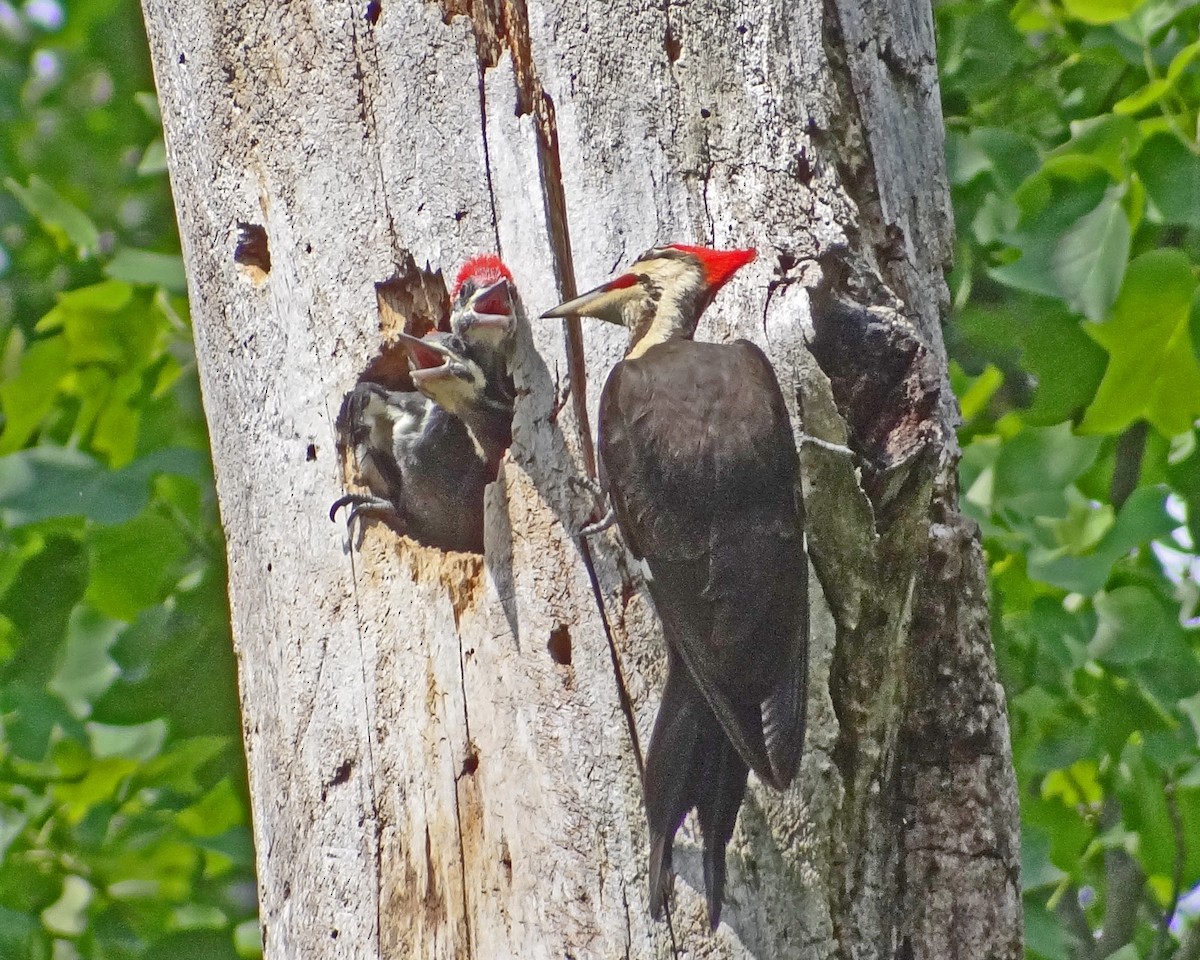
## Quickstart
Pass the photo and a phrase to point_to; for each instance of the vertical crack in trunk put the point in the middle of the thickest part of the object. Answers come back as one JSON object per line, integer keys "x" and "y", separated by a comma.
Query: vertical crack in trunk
{"x": 466, "y": 771}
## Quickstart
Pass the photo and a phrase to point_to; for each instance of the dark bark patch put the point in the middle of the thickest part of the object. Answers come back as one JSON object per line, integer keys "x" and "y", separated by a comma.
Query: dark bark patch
{"x": 884, "y": 381}
{"x": 672, "y": 45}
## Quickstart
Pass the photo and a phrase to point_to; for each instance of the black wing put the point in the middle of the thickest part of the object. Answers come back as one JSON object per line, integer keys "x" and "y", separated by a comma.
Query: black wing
{"x": 701, "y": 466}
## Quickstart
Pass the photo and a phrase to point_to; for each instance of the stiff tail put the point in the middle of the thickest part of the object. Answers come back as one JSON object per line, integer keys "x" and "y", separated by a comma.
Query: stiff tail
{"x": 722, "y": 788}
{"x": 691, "y": 763}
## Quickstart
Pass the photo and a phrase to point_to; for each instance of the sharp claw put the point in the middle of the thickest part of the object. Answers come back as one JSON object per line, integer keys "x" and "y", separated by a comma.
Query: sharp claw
{"x": 585, "y": 482}
{"x": 361, "y": 504}
{"x": 341, "y": 502}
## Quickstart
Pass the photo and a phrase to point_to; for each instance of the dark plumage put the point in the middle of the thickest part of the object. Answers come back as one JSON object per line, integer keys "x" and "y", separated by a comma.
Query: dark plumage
{"x": 698, "y": 458}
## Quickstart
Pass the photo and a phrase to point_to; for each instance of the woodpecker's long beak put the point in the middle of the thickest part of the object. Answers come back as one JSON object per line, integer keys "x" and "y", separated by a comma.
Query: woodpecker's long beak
{"x": 604, "y": 302}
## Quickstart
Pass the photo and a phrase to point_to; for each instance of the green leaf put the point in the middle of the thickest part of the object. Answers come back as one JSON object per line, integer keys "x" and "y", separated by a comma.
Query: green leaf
{"x": 64, "y": 221}
{"x": 1152, "y": 371}
{"x": 1143, "y": 518}
{"x": 1044, "y": 935}
{"x": 1050, "y": 207}
{"x": 1147, "y": 96}
{"x": 146, "y": 268}
{"x": 1130, "y": 622}
{"x": 215, "y": 812}
{"x": 154, "y": 159}
{"x": 1101, "y": 11}
{"x": 1171, "y": 175}
{"x": 141, "y": 741}
{"x": 104, "y": 780}
{"x": 177, "y": 768}
{"x": 67, "y": 916}
{"x": 1089, "y": 261}
{"x": 1033, "y": 469}
{"x": 979, "y": 391}
{"x": 1036, "y": 868}
{"x": 1064, "y": 387}
{"x": 134, "y": 565}
{"x": 86, "y": 670}
{"x": 1107, "y": 141}
{"x": 49, "y": 482}
{"x": 29, "y": 396}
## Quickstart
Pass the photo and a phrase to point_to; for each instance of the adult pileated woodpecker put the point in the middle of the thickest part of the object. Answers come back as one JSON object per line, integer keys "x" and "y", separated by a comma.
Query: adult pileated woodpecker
{"x": 426, "y": 456}
{"x": 698, "y": 458}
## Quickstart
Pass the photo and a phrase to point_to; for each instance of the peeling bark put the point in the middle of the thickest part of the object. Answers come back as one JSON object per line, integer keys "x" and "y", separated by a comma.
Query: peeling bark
{"x": 444, "y": 749}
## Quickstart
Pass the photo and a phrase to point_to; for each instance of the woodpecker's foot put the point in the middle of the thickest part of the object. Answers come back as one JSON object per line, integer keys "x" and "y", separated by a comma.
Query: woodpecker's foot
{"x": 826, "y": 445}
{"x": 586, "y": 483}
{"x": 600, "y": 525}
{"x": 365, "y": 505}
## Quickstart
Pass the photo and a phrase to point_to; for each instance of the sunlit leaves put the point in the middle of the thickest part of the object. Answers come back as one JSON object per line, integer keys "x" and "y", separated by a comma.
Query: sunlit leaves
{"x": 1076, "y": 180}
{"x": 1101, "y": 11}
{"x": 70, "y": 226}
{"x": 116, "y": 674}
{"x": 1153, "y": 370}
{"x": 1089, "y": 259}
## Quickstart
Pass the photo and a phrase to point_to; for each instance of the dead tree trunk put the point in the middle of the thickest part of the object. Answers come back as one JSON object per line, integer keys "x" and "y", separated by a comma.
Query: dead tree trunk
{"x": 443, "y": 749}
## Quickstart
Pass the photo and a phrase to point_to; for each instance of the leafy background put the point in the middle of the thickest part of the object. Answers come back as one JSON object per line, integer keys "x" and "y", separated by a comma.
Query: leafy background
{"x": 1075, "y": 169}
{"x": 123, "y": 810}
{"x": 1072, "y": 147}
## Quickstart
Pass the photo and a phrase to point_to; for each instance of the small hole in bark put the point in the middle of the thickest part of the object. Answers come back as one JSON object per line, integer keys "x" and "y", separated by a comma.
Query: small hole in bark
{"x": 311, "y": 453}
{"x": 705, "y": 112}
{"x": 374, "y": 9}
{"x": 308, "y": 248}
{"x": 470, "y": 764}
{"x": 559, "y": 645}
{"x": 334, "y": 934}
{"x": 672, "y": 44}
{"x": 787, "y": 260}
{"x": 252, "y": 251}
{"x": 268, "y": 568}
{"x": 804, "y": 170}
{"x": 182, "y": 59}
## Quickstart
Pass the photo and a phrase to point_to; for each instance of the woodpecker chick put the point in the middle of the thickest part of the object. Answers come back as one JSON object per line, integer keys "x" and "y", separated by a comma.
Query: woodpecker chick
{"x": 482, "y": 316}
{"x": 379, "y": 425}
{"x": 445, "y": 371}
{"x": 699, "y": 461}
{"x": 425, "y": 462}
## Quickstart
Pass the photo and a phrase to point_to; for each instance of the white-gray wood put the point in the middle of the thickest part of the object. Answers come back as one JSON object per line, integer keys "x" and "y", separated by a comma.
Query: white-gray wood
{"x": 427, "y": 780}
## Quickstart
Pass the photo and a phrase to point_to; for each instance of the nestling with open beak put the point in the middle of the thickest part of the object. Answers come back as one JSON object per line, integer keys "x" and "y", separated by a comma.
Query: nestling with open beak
{"x": 427, "y": 454}
{"x": 699, "y": 461}
{"x": 482, "y": 316}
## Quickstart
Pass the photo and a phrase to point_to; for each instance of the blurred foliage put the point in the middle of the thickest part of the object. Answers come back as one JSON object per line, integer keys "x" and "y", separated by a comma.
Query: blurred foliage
{"x": 124, "y": 830}
{"x": 1075, "y": 170}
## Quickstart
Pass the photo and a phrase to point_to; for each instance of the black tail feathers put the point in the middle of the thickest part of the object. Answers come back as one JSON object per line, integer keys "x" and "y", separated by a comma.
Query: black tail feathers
{"x": 691, "y": 763}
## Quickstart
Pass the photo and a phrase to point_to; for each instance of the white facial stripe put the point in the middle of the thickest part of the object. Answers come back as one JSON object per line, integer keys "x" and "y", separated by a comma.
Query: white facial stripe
{"x": 677, "y": 280}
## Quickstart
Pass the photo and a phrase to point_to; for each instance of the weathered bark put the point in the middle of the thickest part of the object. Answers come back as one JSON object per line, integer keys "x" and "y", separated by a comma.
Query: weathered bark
{"x": 443, "y": 749}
